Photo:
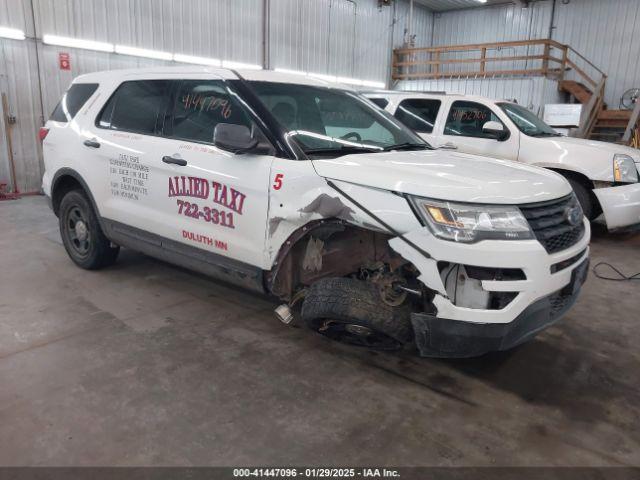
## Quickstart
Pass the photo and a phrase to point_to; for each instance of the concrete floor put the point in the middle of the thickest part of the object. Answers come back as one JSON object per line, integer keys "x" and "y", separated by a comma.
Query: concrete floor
{"x": 146, "y": 364}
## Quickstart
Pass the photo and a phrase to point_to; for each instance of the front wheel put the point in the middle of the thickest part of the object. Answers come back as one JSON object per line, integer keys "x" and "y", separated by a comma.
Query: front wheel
{"x": 351, "y": 311}
{"x": 586, "y": 199}
{"x": 81, "y": 234}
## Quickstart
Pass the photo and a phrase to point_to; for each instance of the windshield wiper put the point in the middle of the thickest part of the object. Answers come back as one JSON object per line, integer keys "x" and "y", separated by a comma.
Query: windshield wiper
{"x": 344, "y": 150}
{"x": 407, "y": 146}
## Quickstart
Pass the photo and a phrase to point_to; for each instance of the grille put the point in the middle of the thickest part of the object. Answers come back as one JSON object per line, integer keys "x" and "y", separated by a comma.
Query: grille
{"x": 550, "y": 226}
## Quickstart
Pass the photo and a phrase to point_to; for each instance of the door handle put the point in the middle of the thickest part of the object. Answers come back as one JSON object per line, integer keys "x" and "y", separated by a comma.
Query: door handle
{"x": 91, "y": 144}
{"x": 174, "y": 161}
{"x": 448, "y": 146}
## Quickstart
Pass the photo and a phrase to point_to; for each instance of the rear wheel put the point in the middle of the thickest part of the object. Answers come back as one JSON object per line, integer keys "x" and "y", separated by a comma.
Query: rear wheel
{"x": 81, "y": 234}
{"x": 351, "y": 311}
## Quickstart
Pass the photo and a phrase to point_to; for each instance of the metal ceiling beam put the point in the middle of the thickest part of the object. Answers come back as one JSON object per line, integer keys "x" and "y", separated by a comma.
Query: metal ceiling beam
{"x": 447, "y": 6}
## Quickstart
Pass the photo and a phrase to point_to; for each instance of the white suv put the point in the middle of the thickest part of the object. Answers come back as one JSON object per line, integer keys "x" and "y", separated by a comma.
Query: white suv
{"x": 603, "y": 175}
{"x": 306, "y": 191}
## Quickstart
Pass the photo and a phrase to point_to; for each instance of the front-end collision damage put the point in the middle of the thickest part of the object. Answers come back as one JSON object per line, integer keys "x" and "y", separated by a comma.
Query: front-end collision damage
{"x": 460, "y": 299}
{"x": 477, "y": 309}
{"x": 320, "y": 206}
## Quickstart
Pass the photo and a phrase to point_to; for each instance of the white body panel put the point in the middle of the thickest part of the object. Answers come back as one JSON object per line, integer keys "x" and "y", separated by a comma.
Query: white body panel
{"x": 593, "y": 159}
{"x": 271, "y": 198}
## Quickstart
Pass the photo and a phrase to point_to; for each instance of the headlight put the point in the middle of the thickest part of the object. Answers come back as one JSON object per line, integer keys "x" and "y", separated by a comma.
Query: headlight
{"x": 470, "y": 222}
{"x": 624, "y": 170}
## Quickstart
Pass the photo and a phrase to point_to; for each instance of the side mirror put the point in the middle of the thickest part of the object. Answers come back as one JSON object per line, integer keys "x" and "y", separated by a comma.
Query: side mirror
{"x": 234, "y": 138}
{"x": 495, "y": 130}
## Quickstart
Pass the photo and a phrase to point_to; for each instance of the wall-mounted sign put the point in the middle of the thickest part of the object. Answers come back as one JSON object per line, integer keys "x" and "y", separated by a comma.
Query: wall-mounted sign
{"x": 64, "y": 61}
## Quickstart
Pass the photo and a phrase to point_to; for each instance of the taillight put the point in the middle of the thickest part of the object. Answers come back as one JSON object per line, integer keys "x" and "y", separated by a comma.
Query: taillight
{"x": 42, "y": 134}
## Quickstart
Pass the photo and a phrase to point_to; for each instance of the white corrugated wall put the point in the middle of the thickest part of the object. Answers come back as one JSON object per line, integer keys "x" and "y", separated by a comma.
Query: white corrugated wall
{"x": 19, "y": 81}
{"x": 492, "y": 24}
{"x": 608, "y": 34}
{"x": 339, "y": 37}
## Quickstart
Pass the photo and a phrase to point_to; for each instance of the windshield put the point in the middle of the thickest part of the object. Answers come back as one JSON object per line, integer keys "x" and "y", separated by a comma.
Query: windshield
{"x": 330, "y": 121}
{"x": 527, "y": 122}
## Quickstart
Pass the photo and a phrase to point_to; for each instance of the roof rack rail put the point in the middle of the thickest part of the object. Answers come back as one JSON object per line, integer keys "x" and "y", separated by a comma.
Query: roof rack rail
{"x": 398, "y": 92}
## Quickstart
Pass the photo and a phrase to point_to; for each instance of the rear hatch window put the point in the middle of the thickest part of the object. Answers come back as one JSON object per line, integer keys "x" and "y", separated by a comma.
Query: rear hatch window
{"x": 72, "y": 101}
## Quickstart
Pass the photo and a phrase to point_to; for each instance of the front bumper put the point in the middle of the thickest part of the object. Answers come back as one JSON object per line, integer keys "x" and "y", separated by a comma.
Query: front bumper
{"x": 445, "y": 338}
{"x": 620, "y": 205}
{"x": 528, "y": 255}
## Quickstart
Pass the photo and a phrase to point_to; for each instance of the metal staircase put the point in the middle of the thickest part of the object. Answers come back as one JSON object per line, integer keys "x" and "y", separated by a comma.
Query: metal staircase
{"x": 609, "y": 125}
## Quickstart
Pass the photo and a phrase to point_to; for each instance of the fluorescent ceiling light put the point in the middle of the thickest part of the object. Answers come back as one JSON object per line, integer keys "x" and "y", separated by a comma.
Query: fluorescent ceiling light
{"x": 247, "y": 66}
{"x": 214, "y": 62}
{"x": 13, "y": 33}
{"x": 77, "y": 43}
{"x": 141, "y": 52}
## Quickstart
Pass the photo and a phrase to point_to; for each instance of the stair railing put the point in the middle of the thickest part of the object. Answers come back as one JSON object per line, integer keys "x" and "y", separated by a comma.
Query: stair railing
{"x": 521, "y": 57}
{"x": 632, "y": 132}
{"x": 591, "y": 110}
{"x": 577, "y": 67}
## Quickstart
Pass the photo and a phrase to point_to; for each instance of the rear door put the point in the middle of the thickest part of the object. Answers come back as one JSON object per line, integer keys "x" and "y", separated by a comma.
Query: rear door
{"x": 124, "y": 139}
{"x": 420, "y": 114}
{"x": 462, "y": 131}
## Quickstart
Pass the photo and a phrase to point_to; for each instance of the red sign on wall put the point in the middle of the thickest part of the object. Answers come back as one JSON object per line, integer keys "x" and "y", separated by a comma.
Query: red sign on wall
{"x": 65, "y": 61}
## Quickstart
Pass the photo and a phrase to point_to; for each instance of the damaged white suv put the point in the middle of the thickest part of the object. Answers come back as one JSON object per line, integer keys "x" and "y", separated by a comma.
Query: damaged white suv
{"x": 306, "y": 191}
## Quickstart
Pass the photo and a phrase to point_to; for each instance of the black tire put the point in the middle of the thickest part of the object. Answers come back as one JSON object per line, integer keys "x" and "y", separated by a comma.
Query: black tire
{"x": 81, "y": 234}
{"x": 589, "y": 206}
{"x": 338, "y": 307}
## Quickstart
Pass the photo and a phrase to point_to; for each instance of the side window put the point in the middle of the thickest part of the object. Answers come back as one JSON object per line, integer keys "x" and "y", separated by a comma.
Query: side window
{"x": 72, "y": 101}
{"x": 466, "y": 119}
{"x": 419, "y": 114}
{"x": 200, "y": 105}
{"x": 136, "y": 106}
{"x": 381, "y": 102}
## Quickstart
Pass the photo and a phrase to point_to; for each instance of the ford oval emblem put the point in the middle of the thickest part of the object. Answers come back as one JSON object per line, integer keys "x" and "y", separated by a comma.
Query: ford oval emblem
{"x": 573, "y": 215}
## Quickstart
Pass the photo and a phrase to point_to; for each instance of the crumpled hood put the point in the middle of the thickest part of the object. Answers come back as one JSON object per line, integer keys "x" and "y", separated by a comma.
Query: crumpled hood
{"x": 447, "y": 176}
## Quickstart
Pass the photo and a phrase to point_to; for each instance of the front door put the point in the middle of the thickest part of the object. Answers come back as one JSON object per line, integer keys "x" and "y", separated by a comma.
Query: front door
{"x": 463, "y": 131}
{"x": 212, "y": 199}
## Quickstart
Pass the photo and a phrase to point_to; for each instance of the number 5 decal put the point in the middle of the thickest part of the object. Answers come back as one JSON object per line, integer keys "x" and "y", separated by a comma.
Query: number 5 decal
{"x": 277, "y": 182}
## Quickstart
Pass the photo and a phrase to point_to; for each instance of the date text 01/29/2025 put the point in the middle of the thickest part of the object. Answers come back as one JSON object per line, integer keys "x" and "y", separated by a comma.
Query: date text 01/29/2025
{"x": 218, "y": 193}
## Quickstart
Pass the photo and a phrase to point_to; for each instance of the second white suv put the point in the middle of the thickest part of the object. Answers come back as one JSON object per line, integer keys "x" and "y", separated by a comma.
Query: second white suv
{"x": 307, "y": 192}
{"x": 603, "y": 175}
